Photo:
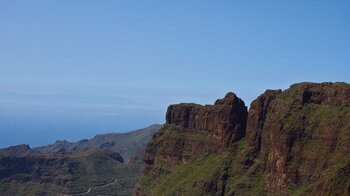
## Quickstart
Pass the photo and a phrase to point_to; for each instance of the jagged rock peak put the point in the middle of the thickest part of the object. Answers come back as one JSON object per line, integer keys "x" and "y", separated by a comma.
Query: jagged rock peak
{"x": 229, "y": 99}
{"x": 16, "y": 151}
{"x": 20, "y": 146}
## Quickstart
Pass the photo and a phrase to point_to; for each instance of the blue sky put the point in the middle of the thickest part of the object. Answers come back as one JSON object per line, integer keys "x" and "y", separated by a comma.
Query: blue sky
{"x": 72, "y": 69}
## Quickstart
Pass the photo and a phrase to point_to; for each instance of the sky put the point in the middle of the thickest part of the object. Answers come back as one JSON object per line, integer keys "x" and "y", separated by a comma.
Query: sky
{"x": 73, "y": 69}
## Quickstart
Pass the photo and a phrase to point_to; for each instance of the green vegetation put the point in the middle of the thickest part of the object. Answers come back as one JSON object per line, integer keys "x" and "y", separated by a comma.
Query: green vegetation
{"x": 304, "y": 139}
{"x": 199, "y": 175}
{"x": 71, "y": 174}
{"x": 65, "y": 167}
{"x": 120, "y": 188}
{"x": 97, "y": 168}
{"x": 129, "y": 145}
{"x": 246, "y": 181}
{"x": 187, "y": 178}
{"x": 333, "y": 181}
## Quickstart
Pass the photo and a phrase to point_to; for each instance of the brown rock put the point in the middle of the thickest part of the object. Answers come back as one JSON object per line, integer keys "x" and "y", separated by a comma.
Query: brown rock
{"x": 225, "y": 120}
{"x": 299, "y": 132}
{"x": 256, "y": 118}
{"x": 193, "y": 131}
{"x": 296, "y": 140}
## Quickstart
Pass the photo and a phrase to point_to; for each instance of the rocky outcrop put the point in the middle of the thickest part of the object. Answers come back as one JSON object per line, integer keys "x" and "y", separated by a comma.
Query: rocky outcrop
{"x": 295, "y": 141}
{"x": 193, "y": 132}
{"x": 225, "y": 120}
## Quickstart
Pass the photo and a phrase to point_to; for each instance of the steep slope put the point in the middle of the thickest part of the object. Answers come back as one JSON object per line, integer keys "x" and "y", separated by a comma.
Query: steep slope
{"x": 300, "y": 132}
{"x": 187, "y": 155}
{"x": 130, "y": 144}
{"x": 297, "y": 142}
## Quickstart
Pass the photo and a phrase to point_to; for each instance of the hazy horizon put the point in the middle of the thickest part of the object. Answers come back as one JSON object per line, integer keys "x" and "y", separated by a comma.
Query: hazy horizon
{"x": 74, "y": 69}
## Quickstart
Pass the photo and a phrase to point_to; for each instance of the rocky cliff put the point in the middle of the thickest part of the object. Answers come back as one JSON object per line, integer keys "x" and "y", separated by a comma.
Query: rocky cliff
{"x": 292, "y": 142}
{"x": 224, "y": 121}
{"x": 194, "y": 130}
{"x": 300, "y": 132}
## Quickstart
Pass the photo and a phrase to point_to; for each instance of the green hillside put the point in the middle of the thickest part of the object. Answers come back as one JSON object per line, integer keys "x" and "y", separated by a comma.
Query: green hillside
{"x": 130, "y": 144}
{"x": 66, "y": 174}
{"x": 106, "y": 164}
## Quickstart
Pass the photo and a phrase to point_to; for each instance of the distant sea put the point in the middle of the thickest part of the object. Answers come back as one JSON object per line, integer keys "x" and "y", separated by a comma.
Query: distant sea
{"x": 38, "y": 128}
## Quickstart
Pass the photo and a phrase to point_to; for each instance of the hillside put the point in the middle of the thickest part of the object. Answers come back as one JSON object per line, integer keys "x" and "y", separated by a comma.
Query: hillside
{"x": 64, "y": 174}
{"x": 130, "y": 144}
{"x": 88, "y": 167}
{"x": 291, "y": 142}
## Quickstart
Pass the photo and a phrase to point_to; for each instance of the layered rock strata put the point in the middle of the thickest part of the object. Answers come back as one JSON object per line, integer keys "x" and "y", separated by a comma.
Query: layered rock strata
{"x": 291, "y": 142}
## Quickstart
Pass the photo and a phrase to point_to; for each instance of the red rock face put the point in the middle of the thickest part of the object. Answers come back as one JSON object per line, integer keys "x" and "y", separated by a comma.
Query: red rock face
{"x": 193, "y": 131}
{"x": 293, "y": 138}
{"x": 299, "y": 132}
{"x": 256, "y": 119}
{"x": 225, "y": 120}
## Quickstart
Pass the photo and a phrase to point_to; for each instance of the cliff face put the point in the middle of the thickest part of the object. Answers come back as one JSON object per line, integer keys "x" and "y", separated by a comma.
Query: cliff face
{"x": 300, "y": 132}
{"x": 295, "y": 141}
{"x": 193, "y": 132}
{"x": 225, "y": 120}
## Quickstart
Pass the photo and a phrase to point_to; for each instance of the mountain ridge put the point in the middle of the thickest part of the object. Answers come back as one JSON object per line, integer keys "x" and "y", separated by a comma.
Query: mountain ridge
{"x": 122, "y": 143}
{"x": 58, "y": 170}
{"x": 297, "y": 142}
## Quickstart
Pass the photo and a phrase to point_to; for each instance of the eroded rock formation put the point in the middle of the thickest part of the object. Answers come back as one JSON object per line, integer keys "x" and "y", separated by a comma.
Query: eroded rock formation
{"x": 225, "y": 120}
{"x": 295, "y": 141}
{"x": 194, "y": 130}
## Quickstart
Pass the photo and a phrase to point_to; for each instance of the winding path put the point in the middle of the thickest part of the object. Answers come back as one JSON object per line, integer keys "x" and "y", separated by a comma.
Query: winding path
{"x": 100, "y": 186}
